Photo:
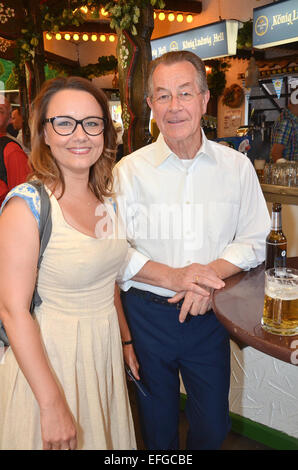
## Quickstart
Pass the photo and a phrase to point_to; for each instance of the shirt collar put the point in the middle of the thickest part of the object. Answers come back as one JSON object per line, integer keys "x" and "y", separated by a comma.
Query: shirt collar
{"x": 163, "y": 152}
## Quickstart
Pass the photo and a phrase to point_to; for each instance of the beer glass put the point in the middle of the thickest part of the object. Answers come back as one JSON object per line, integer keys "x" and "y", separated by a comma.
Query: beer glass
{"x": 280, "y": 314}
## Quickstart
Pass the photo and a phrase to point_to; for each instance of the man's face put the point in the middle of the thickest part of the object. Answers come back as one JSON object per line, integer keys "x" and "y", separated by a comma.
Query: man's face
{"x": 16, "y": 119}
{"x": 178, "y": 119}
{"x": 4, "y": 116}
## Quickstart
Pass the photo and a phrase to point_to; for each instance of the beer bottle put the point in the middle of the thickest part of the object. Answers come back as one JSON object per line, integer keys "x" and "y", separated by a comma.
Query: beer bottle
{"x": 276, "y": 242}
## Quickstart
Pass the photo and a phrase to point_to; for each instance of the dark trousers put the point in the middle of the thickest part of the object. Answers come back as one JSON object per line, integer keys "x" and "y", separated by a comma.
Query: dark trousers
{"x": 200, "y": 350}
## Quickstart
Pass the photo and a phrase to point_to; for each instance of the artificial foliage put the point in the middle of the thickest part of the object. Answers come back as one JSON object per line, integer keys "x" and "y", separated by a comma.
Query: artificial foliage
{"x": 244, "y": 39}
{"x": 57, "y": 15}
{"x": 216, "y": 79}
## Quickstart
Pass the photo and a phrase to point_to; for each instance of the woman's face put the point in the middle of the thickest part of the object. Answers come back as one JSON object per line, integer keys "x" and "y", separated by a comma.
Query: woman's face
{"x": 77, "y": 152}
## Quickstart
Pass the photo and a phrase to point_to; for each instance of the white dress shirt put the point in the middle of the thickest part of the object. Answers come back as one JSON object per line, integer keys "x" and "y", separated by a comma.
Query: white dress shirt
{"x": 178, "y": 213}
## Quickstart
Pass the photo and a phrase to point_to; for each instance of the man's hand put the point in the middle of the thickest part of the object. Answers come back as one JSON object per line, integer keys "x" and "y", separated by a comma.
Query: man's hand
{"x": 194, "y": 304}
{"x": 193, "y": 277}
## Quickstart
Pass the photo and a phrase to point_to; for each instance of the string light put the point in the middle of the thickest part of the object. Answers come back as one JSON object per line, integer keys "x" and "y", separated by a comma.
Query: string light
{"x": 171, "y": 16}
{"x": 102, "y": 38}
{"x": 93, "y": 37}
{"x": 76, "y": 37}
{"x": 103, "y": 12}
{"x": 112, "y": 38}
{"x": 85, "y": 37}
{"x": 48, "y": 36}
{"x": 58, "y": 36}
{"x": 84, "y": 10}
{"x": 67, "y": 37}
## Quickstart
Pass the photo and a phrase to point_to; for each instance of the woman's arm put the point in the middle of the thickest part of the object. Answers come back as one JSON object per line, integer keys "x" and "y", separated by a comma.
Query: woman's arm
{"x": 128, "y": 350}
{"x": 19, "y": 246}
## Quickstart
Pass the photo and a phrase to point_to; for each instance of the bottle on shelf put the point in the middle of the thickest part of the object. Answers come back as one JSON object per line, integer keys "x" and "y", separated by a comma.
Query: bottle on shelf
{"x": 276, "y": 242}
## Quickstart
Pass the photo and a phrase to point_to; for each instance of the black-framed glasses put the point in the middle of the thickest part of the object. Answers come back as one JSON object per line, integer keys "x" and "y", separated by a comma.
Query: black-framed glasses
{"x": 66, "y": 125}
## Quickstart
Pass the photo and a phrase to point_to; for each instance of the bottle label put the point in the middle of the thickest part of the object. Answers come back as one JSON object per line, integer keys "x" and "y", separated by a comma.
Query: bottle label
{"x": 276, "y": 221}
{"x": 276, "y": 244}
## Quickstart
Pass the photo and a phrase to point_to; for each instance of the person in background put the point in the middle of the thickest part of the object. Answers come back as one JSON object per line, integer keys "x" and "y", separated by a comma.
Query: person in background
{"x": 194, "y": 214}
{"x": 17, "y": 122}
{"x": 14, "y": 167}
{"x": 63, "y": 383}
{"x": 284, "y": 138}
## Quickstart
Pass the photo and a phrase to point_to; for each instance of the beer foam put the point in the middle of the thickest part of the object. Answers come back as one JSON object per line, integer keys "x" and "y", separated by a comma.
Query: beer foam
{"x": 282, "y": 293}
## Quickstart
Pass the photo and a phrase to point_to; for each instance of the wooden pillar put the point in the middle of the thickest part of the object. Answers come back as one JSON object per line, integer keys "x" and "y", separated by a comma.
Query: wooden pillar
{"x": 134, "y": 55}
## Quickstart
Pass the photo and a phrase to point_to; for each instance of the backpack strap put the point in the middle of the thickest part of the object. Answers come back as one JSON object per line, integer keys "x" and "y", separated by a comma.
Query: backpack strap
{"x": 45, "y": 229}
{"x": 4, "y": 140}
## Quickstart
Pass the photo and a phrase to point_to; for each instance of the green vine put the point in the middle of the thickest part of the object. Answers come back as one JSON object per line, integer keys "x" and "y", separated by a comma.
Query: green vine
{"x": 217, "y": 78}
{"x": 104, "y": 66}
{"x": 123, "y": 15}
{"x": 244, "y": 39}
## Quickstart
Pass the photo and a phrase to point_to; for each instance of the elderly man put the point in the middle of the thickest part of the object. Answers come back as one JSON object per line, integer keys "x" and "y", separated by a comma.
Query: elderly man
{"x": 194, "y": 215}
{"x": 13, "y": 160}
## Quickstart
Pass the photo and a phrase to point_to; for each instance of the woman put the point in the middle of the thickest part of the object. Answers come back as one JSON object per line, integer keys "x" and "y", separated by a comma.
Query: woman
{"x": 62, "y": 380}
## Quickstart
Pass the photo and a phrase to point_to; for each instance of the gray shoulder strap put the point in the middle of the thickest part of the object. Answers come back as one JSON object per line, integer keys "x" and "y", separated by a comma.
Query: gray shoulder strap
{"x": 45, "y": 229}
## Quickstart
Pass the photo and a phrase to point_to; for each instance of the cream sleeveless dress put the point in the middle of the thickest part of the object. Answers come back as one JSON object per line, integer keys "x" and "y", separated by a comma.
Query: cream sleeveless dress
{"x": 79, "y": 329}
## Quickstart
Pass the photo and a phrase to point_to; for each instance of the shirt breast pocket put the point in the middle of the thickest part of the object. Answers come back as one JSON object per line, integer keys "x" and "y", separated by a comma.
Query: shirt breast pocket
{"x": 222, "y": 222}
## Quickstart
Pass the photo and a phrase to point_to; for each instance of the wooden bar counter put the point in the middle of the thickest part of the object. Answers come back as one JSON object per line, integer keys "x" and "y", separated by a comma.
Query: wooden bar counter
{"x": 239, "y": 307}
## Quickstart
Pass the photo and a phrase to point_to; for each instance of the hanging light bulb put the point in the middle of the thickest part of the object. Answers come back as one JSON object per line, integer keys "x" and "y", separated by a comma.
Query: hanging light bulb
{"x": 171, "y": 17}
{"x": 48, "y": 36}
{"x": 161, "y": 16}
{"x": 179, "y": 18}
{"x": 94, "y": 37}
{"x": 67, "y": 36}
{"x": 58, "y": 36}
{"x": 76, "y": 37}
{"x": 85, "y": 37}
{"x": 103, "y": 12}
{"x": 102, "y": 37}
{"x": 189, "y": 18}
{"x": 112, "y": 38}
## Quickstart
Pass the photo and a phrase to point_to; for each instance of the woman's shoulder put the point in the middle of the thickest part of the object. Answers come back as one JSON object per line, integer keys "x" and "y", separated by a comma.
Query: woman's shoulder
{"x": 29, "y": 194}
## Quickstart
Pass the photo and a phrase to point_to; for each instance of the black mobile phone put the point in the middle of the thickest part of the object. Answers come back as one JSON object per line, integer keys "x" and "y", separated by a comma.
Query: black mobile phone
{"x": 137, "y": 382}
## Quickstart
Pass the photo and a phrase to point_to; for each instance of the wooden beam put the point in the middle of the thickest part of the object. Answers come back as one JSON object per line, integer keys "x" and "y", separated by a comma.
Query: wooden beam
{"x": 190, "y": 6}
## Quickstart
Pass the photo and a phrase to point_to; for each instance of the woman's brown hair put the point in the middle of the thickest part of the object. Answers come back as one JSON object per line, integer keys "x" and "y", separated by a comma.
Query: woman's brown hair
{"x": 43, "y": 163}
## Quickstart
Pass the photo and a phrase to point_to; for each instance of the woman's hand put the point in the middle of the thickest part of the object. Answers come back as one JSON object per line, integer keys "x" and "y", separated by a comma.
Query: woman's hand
{"x": 131, "y": 360}
{"x": 58, "y": 429}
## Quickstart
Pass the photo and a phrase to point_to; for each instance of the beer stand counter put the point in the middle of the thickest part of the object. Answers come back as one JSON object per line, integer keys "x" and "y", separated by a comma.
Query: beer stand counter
{"x": 239, "y": 307}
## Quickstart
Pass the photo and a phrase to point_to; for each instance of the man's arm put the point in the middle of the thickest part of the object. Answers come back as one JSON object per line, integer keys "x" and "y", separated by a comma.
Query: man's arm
{"x": 277, "y": 151}
{"x": 189, "y": 278}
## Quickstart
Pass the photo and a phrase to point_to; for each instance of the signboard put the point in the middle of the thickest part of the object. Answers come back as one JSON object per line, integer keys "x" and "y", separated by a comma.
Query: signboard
{"x": 275, "y": 24}
{"x": 208, "y": 42}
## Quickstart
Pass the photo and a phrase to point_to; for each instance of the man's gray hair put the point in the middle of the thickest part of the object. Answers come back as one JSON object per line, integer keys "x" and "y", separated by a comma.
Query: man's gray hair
{"x": 170, "y": 58}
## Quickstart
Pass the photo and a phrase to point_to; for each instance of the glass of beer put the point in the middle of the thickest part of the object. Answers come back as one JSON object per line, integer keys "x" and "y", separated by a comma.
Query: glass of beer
{"x": 280, "y": 314}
